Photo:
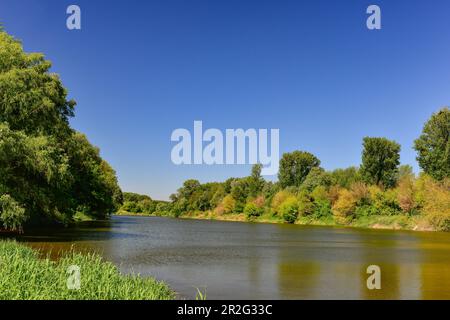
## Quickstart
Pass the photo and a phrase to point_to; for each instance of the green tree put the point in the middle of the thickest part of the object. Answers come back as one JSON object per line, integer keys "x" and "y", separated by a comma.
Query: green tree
{"x": 316, "y": 177}
{"x": 48, "y": 171}
{"x": 380, "y": 161}
{"x": 346, "y": 177}
{"x": 255, "y": 181}
{"x": 240, "y": 193}
{"x": 433, "y": 145}
{"x": 295, "y": 166}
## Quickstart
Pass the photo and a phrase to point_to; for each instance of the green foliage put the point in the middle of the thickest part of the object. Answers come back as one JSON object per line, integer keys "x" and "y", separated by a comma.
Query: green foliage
{"x": 31, "y": 99}
{"x": 295, "y": 166}
{"x": 12, "y": 214}
{"x": 24, "y": 276}
{"x": 134, "y": 197}
{"x": 49, "y": 170}
{"x": 384, "y": 202}
{"x": 305, "y": 204}
{"x": 380, "y": 161}
{"x": 255, "y": 181}
{"x": 316, "y": 177}
{"x": 380, "y": 190}
{"x": 240, "y": 193}
{"x": 289, "y": 210}
{"x": 251, "y": 210}
{"x": 346, "y": 177}
{"x": 278, "y": 199}
{"x": 322, "y": 209}
{"x": 321, "y": 203}
{"x": 433, "y": 145}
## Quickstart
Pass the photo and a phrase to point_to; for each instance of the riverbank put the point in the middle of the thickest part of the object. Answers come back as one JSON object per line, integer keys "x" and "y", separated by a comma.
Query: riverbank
{"x": 26, "y": 276}
{"x": 395, "y": 222}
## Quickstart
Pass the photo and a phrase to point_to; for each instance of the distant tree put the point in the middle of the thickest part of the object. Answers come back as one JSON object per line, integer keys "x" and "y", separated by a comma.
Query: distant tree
{"x": 135, "y": 197}
{"x": 295, "y": 166}
{"x": 255, "y": 181}
{"x": 345, "y": 177}
{"x": 433, "y": 146}
{"x": 316, "y": 177}
{"x": 240, "y": 193}
{"x": 380, "y": 161}
{"x": 404, "y": 170}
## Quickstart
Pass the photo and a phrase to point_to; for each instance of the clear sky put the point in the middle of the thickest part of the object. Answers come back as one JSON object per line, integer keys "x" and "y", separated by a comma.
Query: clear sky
{"x": 140, "y": 69}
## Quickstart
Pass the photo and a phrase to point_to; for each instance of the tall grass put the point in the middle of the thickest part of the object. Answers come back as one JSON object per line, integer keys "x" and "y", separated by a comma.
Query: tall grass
{"x": 24, "y": 276}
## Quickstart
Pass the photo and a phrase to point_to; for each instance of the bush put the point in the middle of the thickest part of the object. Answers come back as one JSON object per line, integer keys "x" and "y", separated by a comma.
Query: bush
{"x": 278, "y": 199}
{"x": 405, "y": 194}
{"x": 289, "y": 209}
{"x": 322, "y": 209}
{"x": 344, "y": 208}
{"x": 260, "y": 201}
{"x": 384, "y": 202}
{"x": 228, "y": 204}
{"x": 434, "y": 198}
{"x": 305, "y": 204}
{"x": 12, "y": 215}
{"x": 251, "y": 210}
{"x": 165, "y": 209}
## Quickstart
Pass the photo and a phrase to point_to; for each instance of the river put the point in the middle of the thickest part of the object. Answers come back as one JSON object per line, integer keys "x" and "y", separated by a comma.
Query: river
{"x": 234, "y": 260}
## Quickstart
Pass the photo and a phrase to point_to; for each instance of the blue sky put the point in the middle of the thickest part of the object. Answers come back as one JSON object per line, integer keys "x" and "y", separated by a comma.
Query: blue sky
{"x": 140, "y": 69}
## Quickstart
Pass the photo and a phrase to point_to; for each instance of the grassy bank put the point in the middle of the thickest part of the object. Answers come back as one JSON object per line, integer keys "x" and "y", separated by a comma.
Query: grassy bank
{"x": 395, "y": 222}
{"x": 25, "y": 276}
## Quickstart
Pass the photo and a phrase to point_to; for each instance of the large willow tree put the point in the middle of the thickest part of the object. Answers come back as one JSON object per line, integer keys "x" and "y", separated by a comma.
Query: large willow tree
{"x": 48, "y": 171}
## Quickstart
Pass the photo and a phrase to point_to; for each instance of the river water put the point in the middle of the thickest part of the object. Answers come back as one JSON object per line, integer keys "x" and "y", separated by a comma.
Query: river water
{"x": 233, "y": 260}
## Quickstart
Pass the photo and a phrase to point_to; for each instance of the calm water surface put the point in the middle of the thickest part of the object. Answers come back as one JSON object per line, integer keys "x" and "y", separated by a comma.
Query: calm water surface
{"x": 235, "y": 260}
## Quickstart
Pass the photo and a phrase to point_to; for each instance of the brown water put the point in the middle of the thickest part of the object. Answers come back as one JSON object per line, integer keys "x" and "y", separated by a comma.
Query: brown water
{"x": 235, "y": 260}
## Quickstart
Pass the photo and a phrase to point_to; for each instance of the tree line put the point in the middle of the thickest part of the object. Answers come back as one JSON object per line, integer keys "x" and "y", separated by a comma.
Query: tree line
{"x": 48, "y": 171}
{"x": 380, "y": 186}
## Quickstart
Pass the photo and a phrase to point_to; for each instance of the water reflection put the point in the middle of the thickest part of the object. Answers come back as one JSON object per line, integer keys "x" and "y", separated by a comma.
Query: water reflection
{"x": 262, "y": 261}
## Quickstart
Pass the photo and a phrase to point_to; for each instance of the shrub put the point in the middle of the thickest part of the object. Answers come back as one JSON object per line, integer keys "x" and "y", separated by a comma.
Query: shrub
{"x": 360, "y": 192}
{"x": 164, "y": 209}
{"x": 384, "y": 202}
{"x": 333, "y": 194}
{"x": 251, "y": 210}
{"x": 434, "y": 198}
{"x": 344, "y": 208}
{"x": 405, "y": 194}
{"x": 130, "y": 206}
{"x": 305, "y": 204}
{"x": 289, "y": 209}
{"x": 322, "y": 209}
{"x": 228, "y": 204}
{"x": 278, "y": 199}
{"x": 260, "y": 201}
{"x": 12, "y": 215}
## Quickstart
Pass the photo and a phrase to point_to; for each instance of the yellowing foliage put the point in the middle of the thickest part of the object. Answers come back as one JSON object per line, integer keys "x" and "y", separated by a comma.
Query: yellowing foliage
{"x": 278, "y": 199}
{"x": 344, "y": 207}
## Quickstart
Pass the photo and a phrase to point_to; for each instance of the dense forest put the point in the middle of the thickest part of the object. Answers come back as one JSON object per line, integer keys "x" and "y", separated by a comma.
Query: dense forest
{"x": 49, "y": 172}
{"x": 380, "y": 191}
